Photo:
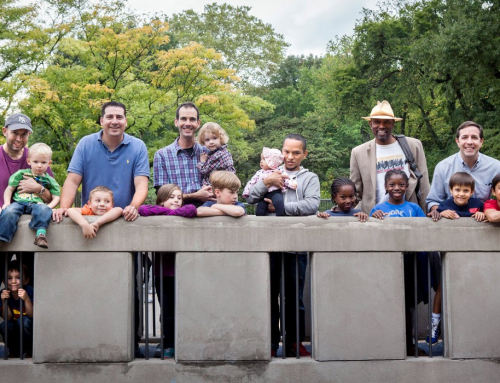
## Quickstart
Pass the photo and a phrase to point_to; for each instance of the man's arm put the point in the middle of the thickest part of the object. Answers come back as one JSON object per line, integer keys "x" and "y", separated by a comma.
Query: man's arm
{"x": 68, "y": 194}
{"x": 131, "y": 212}
{"x": 424, "y": 181}
{"x": 204, "y": 194}
{"x": 258, "y": 190}
{"x": 437, "y": 193}
{"x": 29, "y": 185}
{"x": 355, "y": 175}
{"x": 310, "y": 203}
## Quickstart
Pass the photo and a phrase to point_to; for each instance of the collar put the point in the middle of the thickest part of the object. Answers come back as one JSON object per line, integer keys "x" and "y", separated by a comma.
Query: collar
{"x": 478, "y": 161}
{"x": 196, "y": 147}
{"x": 126, "y": 138}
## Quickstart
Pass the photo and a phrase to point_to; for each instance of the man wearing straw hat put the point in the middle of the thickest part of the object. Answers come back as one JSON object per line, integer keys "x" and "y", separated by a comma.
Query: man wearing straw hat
{"x": 371, "y": 160}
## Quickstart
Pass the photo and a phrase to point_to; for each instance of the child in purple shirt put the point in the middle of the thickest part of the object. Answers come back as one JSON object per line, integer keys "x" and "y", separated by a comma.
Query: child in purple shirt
{"x": 168, "y": 202}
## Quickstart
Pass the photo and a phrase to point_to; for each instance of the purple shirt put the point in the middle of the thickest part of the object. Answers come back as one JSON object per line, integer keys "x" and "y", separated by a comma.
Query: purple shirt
{"x": 172, "y": 165}
{"x": 8, "y": 167}
{"x": 188, "y": 211}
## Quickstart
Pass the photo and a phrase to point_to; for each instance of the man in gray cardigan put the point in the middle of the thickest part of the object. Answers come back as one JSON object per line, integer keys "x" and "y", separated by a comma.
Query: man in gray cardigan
{"x": 301, "y": 198}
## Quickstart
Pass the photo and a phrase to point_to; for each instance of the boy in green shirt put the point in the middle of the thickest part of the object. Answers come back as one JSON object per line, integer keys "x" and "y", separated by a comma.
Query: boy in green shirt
{"x": 39, "y": 159}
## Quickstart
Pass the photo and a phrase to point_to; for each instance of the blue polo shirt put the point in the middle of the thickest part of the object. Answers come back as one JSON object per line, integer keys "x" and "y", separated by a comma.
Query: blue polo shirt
{"x": 116, "y": 170}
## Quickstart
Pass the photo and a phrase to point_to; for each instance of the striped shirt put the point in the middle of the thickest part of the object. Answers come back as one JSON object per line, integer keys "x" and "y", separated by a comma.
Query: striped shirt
{"x": 173, "y": 165}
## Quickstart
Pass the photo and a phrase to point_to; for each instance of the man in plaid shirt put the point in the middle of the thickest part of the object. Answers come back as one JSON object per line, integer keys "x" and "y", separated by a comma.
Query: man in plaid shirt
{"x": 176, "y": 163}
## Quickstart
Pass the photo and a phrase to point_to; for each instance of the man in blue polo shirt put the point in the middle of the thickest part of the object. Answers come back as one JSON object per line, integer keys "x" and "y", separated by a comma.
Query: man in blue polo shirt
{"x": 109, "y": 158}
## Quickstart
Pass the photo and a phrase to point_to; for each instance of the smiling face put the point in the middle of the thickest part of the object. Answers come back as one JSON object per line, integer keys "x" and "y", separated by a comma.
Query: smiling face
{"x": 382, "y": 130}
{"x": 16, "y": 140}
{"x": 174, "y": 201}
{"x": 469, "y": 142}
{"x": 226, "y": 196}
{"x": 113, "y": 122}
{"x": 211, "y": 141}
{"x": 461, "y": 194}
{"x": 496, "y": 192}
{"x": 345, "y": 198}
{"x": 396, "y": 186}
{"x": 39, "y": 163}
{"x": 14, "y": 280}
{"x": 101, "y": 202}
{"x": 187, "y": 123}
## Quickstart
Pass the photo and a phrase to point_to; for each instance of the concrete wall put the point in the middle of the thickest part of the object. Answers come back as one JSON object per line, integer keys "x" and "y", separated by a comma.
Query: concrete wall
{"x": 83, "y": 306}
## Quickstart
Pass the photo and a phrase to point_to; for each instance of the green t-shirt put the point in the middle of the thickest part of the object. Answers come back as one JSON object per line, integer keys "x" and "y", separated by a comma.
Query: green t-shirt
{"x": 45, "y": 180}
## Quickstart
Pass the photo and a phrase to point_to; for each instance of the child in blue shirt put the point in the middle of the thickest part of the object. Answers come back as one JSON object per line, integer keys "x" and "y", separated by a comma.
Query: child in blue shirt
{"x": 225, "y": 186}
{"x": 344, "y": 198}
{"x": 396, "y": 182}
{"x": 461, "y": 203}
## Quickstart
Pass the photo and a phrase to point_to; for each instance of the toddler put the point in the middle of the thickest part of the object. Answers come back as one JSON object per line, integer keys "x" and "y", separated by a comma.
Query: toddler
{"x": 226, "y": 186}
{"x": 12, "y": 295}
{"x": 100, "y": 203}
{"x": 461, "y": 203}
{"x": 215, "y": 139}
{"x": 168, "y": 202}
{"x": 270, "y": 159}
{"x": 39, "y": 159}
{"x": 344, "y": 197}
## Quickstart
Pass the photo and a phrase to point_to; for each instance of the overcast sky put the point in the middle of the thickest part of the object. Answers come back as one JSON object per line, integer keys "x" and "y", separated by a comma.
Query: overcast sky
{"x": 306, "y": 25}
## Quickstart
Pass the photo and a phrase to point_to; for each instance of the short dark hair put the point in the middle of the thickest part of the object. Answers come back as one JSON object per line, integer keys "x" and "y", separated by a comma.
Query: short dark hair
{"x": 113, "y": 103}
{"x": 462, "y": 179}
{"x": 495, "y": 180}
{"x": 298, "y": 137}
{"x": 188, "y": 104}
{"x": 466, "y": 124}
{"x": 338, "y": 183}
{"x": 395, "y": 172}
{"x": 14, "y": 266}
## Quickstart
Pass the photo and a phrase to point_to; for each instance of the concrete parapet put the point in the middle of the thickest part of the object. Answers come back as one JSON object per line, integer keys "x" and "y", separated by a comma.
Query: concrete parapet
{"x": 343, "y": 328}
{"x": 264, "y": 234}
{"x": 83, "y": 307}
{"x": 222, "y": 307}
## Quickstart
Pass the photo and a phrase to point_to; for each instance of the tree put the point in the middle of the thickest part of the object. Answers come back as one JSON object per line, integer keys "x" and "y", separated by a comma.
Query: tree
{"x": 248, "y": 45}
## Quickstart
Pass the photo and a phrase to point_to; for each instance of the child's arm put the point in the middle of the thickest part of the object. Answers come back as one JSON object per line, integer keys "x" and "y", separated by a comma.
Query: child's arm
{"x": 450, "y": 214}
{"x": 480, "y": 216}
{"x": 7, "y": 195}
{"x": 492, "y": 215}
{"x": 362, "y": 216}
{"x": 220, "y": 209}
{"x": 379, "y": 214}
{"x": 109, "y": 216}
{"x": 89, "y": 231}
{"x": 324, "y": 215}
{"x": 54, "y": 202}
{"x": 5, "y": 296}
{"x": 27, "y": 302}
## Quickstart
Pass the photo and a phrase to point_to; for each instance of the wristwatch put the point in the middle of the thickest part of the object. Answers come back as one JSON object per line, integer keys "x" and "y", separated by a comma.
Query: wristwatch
{"x": 42, "y": 190}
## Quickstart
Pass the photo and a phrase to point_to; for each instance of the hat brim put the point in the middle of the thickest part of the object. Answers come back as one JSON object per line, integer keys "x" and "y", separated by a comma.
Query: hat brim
{"x": 19, "y": 126}
{"x": 382, "y": 118}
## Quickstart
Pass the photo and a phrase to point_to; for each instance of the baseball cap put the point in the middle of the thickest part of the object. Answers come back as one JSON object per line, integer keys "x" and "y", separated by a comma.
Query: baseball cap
{"x": 18, "y": 121}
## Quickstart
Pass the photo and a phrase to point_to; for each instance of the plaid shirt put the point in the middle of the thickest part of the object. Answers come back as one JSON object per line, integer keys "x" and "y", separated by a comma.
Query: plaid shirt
{"x": 172, "y": 165}
{"x": 219, "y": 159}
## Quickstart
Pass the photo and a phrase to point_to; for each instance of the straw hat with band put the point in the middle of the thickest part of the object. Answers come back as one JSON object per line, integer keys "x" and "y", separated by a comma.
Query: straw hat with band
{"x": 382, "y": 111}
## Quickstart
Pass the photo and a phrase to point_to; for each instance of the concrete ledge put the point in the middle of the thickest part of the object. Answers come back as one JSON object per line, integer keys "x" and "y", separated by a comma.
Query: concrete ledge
{"x": 264, "y": 234}
{"x": 421, "y": 370}
{"x": 83, "y": 307}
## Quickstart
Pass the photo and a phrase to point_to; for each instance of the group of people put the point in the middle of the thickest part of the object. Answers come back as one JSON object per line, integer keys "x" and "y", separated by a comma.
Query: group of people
{"x": 195, "y": 177}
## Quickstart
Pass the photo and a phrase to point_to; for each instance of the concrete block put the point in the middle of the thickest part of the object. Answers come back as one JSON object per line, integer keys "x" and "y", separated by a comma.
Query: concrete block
{"x": 472, "y": 305}
{"x": 358, "y": 306}
{"x": 222, "y": 307}
{"x": 83, "y": 307}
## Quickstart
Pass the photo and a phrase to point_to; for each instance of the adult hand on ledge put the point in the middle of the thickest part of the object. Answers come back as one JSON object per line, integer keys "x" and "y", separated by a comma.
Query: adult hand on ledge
{"x": 58, "y": 214}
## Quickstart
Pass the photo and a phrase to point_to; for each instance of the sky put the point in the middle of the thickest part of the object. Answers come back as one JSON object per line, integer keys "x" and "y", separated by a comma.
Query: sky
{"x": 306, "y": 25}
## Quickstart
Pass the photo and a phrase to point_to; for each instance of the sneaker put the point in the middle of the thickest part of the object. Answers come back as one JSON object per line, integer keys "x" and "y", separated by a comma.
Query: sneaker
{"x": 168, "y": 353}
{"x": 41, "y": 241}
{"x": 436, "y": 331}
{"x": 302, "y": 350}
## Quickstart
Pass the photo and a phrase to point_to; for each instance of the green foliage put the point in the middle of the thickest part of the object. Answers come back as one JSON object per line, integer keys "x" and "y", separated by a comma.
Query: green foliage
{"x": 249, "y": 46}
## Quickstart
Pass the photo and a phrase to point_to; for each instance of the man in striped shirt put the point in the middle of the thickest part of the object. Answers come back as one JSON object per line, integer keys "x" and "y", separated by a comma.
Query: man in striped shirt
{"x": 176, "y": 163}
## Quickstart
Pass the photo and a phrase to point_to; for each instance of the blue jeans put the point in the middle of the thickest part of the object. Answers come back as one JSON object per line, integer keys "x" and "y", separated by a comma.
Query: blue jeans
{"x": 14, "y": 329}
{"x": 41, "y": 215}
